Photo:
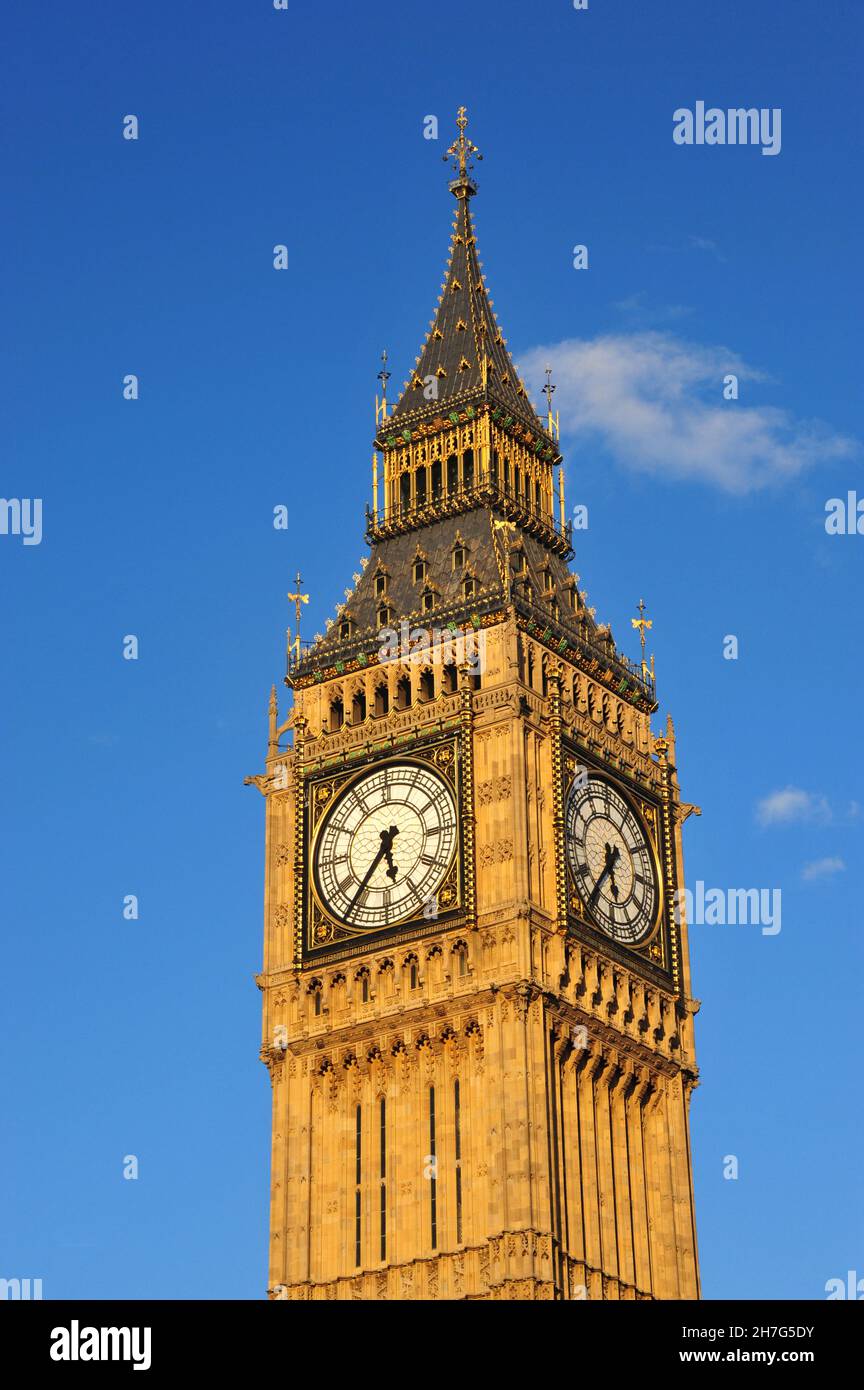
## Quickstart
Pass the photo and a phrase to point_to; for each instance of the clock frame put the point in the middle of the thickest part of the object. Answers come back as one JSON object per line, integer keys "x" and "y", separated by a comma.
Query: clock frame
{"x": 656, "y": 946}
{"x": 323, "y": 927}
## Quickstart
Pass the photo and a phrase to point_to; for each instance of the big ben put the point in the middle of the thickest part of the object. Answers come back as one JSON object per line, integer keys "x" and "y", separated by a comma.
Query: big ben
{"x": 477, "y": 1012}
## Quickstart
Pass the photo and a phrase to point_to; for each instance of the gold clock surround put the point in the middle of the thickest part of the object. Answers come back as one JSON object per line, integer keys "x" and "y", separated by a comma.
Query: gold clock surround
{"x": 323, "y": 927}
{"x": 654, "y": 944}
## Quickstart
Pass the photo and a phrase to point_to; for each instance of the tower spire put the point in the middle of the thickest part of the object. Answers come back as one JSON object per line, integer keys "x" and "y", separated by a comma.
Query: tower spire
{"x": 464, "y": 361}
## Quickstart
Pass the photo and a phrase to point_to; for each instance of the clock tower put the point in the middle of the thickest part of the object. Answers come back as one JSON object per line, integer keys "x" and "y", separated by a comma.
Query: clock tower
{"x": 478, "y": 1020}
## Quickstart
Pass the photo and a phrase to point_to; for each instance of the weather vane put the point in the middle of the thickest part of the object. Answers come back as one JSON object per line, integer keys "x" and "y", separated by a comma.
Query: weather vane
{"x": 463, "y": 150}
{"x": 383, "y": 377}
{"x": 643, "y": 623}
{"x": 297, "y": 599}
{"x": 548, "y": 392}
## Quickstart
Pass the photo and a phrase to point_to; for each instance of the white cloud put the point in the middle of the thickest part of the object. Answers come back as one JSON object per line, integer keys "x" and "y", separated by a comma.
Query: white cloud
{"x": 655, "y": 402}
{"x": 822, "y": 868}
{"x": 792, "y": 804}
{"x": 704, "y": 243}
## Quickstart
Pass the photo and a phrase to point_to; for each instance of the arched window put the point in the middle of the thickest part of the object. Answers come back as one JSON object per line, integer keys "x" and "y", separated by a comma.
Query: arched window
{"x": 436, "y": 478}
{"x": 358, "y": 1174}
{"x": 336, "y": 717}
{"x": 420, "y": 486}
{"x": 427, "y": 686}
{"x": 457, "y": 1134}
{"x": 449, "y": 680}
{"x": 460, "y": 952}
{"x": 433, "y": 1182}
{"x": 382, "y": 1169}
{"x": 468, "y": 468}
{"x": 403, "y": 693}
{"x": 405, "y": 492}
{"x": 382, "y": 700}
{"x": 358, "y": 707}
{"x": 452, "y": 474}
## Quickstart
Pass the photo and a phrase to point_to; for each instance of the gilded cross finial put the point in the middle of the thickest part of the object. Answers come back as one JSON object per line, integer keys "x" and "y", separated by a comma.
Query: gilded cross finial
{"x": 548, "y": 392}
{"x": 462, "y": 152}
{"x": 297, "y": 599}
{"x": 383, "y": 377}
{"x": 643, "y": 623}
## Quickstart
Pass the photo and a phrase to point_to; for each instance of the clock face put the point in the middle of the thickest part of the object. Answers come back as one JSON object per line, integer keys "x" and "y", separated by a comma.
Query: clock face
{"x": 385, "y": 846}
{"x": 610, "y": 860}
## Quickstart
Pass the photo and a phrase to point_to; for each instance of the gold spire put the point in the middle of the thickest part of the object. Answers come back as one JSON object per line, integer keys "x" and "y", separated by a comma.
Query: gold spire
{"x": 462, "y": 152}
{"x": 501, "y": 531}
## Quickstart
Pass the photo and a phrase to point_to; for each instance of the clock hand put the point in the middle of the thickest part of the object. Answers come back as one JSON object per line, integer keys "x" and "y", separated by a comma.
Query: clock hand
{"x": 612, "y": 857}
{"x": 392, "y": 871}
{"x": 386, "y": 842}
{"x": 612, "y": 860}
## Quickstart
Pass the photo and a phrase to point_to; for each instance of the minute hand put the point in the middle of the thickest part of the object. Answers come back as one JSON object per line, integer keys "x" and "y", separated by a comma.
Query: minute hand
{"x": 387, "y": 837}
{"x": 611, "y": 861}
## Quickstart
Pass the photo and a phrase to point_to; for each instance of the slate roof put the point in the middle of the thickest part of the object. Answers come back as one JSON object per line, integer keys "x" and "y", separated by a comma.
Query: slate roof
{"x": 463, "y": 329}
{"x": 434, "y": 543}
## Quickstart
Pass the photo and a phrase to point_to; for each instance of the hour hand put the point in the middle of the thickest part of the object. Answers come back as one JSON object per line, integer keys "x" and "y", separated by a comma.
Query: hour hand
{"x": 387, "y": 838}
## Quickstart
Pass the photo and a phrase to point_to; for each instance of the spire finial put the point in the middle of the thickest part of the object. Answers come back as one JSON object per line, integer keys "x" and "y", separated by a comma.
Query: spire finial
{"x": 383, "y": 376}
{"x": 462, "y": 152}
{"x": 548, "y": 392}
{"x": 642, "y": 623}
{"x": 297, "y": 599}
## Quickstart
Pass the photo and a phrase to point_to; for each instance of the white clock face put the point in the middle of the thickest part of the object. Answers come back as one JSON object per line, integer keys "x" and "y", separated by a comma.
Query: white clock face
{"x": 385, "y": 846}
{"x": 610, "y": 860}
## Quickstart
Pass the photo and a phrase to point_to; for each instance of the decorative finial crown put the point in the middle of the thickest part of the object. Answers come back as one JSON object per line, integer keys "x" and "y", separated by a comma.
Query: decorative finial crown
{"x": 462, "y": 153}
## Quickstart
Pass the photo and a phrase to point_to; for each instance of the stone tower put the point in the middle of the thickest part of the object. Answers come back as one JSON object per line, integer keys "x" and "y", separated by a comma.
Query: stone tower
{"x": 478, "y": 1021}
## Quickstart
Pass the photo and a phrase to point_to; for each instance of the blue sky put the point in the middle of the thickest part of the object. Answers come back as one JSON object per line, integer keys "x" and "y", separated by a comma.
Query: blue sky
{"x": 154, "y": 257}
